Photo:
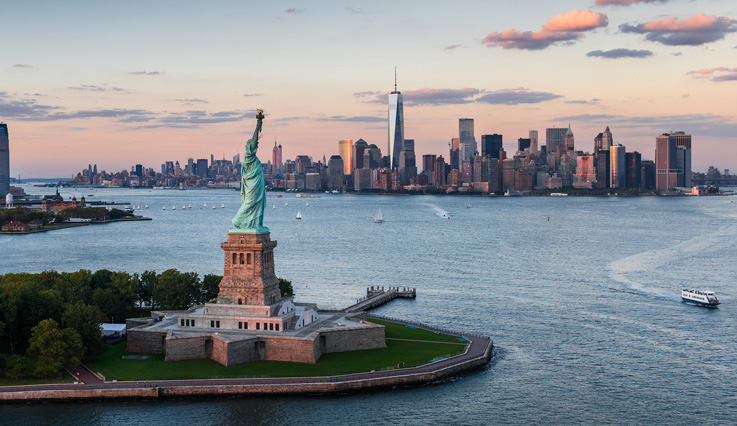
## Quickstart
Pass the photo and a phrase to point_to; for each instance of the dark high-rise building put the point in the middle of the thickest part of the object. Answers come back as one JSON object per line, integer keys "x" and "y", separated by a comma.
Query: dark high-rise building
{"x": 4, "y": 160}
{"x": 673, "y": 160}
{"x": 555, "y": 137}
{"x": 633, "y": 162}
{"x": 396, "y": 124}
{"x": 407, "y": 161}
{"x": 303, "y": 163}
{"x": 467, "y": 140}
{"x": 428, "y": 162}
{"x": 491, "y": 144}
{"x": 438, "y": 174}
{"x": 648, "y": 174}
{"x": 374, "y": 157}
{"x": 201, "y": 167}
{"x": 357, "y": 157}
{"x": 455, "y": 144}
{"x": 169, "y": 167}
{"x": 523, "y": 144}
{"x": 139, "y": 170}
{"x": 602, "y": 169}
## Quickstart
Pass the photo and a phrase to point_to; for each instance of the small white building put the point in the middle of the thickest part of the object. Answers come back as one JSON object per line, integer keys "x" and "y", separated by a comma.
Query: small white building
{"x": 112, "y": 331}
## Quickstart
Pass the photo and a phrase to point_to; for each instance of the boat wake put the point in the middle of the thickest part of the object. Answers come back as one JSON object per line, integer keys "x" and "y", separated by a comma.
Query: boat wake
{"x": 438, "y": 211}
{"x": 647, "y": 272}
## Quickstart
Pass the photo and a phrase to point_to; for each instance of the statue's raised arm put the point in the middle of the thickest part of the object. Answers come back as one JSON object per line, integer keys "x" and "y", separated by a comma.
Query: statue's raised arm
{"x": 250, "y": 217}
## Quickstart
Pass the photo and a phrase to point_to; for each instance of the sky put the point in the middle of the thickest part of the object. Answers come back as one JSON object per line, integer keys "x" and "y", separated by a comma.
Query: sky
{"x": 122, "y": 83}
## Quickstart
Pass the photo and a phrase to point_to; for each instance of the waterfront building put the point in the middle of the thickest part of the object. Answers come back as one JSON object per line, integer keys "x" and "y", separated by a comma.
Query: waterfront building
{"x": 396, "y": 125}
{"x": 585, "y": 172}
{"x": 491, "y": 145}
{"x": 618, "y": 167}
{"x": 345, "y": 149}
{"x": 202, "y": 168}
{"x": 634, "y": 170}
{"x": 523, "y": 144}
{"x": 313, "y": 182}
{"x": 570, "y": 146}
{"x": 454, "y": 177}
{"x": 467, "y": 140}
{"x": 359, "y": 148}
{"x": 533, "y": 142}
{"x": 554, "y": 138}
{"x": 362, "y": 179}
{"x": 374, "y": 157}
{"x": 602, "y": 169}
{"x": 648, "y": 174}
{"x": 428, "y": 162}
{"x": 673, "y": 160}
{"x": 407, "y": 163}
{"x": 438, "y": 174}
{"x": 455, "y": 146}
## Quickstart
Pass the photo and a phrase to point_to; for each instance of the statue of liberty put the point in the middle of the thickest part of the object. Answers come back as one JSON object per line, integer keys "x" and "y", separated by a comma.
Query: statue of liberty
{"x": 250, "y": 217}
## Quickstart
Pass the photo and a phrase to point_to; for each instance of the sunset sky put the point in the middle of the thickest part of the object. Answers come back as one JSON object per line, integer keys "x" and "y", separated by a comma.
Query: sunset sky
{"x": 120, "y": 83}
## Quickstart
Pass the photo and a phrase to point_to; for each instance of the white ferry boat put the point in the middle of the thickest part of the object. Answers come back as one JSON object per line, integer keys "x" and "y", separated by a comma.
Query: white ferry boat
{"x": 701, "y": 298}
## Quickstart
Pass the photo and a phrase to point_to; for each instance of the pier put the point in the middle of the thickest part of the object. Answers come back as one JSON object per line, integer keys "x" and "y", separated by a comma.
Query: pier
{"x": 378, "y": 295}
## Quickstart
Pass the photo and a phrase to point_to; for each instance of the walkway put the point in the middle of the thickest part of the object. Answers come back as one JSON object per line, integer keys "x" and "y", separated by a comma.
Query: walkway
{"x": 478, "y": 353}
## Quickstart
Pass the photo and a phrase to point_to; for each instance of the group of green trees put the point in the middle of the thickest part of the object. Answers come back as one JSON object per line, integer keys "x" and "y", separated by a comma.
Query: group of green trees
{"x": 94, "y": 213}
{"x": 51, "y": 320}
{"x": 25, "y": 215}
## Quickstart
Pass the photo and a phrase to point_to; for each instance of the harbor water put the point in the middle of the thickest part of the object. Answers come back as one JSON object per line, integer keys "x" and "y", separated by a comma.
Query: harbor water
{"x": 580, "y": 294}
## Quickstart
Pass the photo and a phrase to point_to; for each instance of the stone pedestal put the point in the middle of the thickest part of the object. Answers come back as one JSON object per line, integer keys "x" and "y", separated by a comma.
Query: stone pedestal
{"x": 248, "y": 275}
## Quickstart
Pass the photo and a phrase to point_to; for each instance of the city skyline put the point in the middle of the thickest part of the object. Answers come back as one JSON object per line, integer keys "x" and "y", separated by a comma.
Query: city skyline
{"x": 164, "y": 92}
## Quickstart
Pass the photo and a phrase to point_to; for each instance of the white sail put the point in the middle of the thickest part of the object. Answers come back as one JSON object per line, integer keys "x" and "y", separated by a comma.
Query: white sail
{"x": 378, "y": 218}
{"x": 299, "y": 215}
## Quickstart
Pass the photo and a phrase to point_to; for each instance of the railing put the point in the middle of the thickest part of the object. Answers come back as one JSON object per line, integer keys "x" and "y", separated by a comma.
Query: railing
{"x": 429, "y": 327}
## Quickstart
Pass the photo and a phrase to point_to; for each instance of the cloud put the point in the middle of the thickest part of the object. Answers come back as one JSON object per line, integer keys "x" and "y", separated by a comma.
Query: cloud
{"x": 427, "y": 96}
{"x": 168, "y": 126}
{"x": 22, "y": 108}
{"x": 719, "y": 74}
{"x": 565, "y": 28}
{"x": 626, "y": 2}
{"x": 252, "y": 94}
{"x": 366, "y": 93}
{"x": 354, "y": 119}
{"x": 100, "y": 113}
{"x": 202, "y": 117}
{"x": 516, "y": 96}
{"x": 88, "y": 87}
{"x": 145, "y": 73}
{"x": 293, "y": 10}
{"x": 620, "y": 53}
{"x": 576, "y": 102}
{"x": 577, "y": 20}
{"x": 695, "y": 31}
{"x": 709, "y": 125}
{"x": 22, "y": 66}
{"x": 193, "y": 100}
{"x": 355, "y": 10}
{"x": 454, "y": 46}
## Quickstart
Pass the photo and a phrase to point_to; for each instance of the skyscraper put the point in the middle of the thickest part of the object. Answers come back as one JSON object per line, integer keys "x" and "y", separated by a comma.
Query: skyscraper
{"x": 467, "y": 140}
{"x": 455, "y": 144}
{"x": 491, "y": 144}
{"x": 202, "y": 167}
{"x": 428, "y": 162}
{"x": 276, "y": 156}
{"x": 335, "y": 172}
{"x": 357, "y": 156}
{"x": 555, "y": 137}
{"x": 396, "y": 124}
{"x": 634, "y": 170}
{"x": 618, "y": 162}
{"x": 673, "y": 160}
{"x": 345, "y": 149}
{"x": 607, "y": 139}
{"x": 4, "y": 160}
{"x": 570, "y": 145}
{"x": 533, "y": 142}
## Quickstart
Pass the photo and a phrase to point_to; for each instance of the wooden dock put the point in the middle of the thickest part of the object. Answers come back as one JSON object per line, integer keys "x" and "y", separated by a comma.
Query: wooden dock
{"x": 378, "y": 295}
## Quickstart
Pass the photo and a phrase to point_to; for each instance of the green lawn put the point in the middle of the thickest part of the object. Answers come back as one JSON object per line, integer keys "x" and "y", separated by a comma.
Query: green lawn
{"x": 400, "y": 331}
{"x": 66, "y": 378}
{"x": 114, "y": 367}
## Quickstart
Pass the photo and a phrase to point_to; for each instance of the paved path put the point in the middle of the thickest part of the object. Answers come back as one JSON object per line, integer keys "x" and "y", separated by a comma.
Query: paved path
{"x": 477, "y": 348}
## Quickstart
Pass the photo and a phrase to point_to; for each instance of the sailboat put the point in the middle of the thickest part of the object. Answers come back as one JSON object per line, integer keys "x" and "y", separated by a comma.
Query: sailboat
{"x": 163, "y": 207}
{"x": 286, "y": 204}
{"x": 468, "y": 205}
{"x": 274, "y": 208}
{"x": 223, "y": 206}
{"x": 299, "y": 215}
{"x": 189, "y": 206}
{"x": 184, "y": 207}
{"x": 173, "y": 207}
{"x": 307, "y": 203}
{"x": 378, "y": 218}
{"x": 204, "y": 205}
{"x": 146, "y": 206}
{"x": 213, "y": 206}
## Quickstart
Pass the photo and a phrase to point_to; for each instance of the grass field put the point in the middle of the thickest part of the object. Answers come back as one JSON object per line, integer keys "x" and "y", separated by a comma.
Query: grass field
{"x": 112, "y": 365}
{"x": 400, "y": 331}
{"x": 66, "y": 378}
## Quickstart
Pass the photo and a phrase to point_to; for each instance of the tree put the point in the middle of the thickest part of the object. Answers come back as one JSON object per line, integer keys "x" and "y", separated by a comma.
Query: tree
{"x": 210, "y": 287}
{"x": 176, "y": 290}
{"x": 54, "y": 348}
{"x": 86, "y": 320}
{"x": 116, "y": 297}
{"x": 145, "y": 287}
{"x": 17, "y": 366}
{"x": 285, "y": 286}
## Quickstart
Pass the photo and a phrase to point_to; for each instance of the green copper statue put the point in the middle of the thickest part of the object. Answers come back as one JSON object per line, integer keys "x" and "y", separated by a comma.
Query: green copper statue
{"x": 250, "y": 217}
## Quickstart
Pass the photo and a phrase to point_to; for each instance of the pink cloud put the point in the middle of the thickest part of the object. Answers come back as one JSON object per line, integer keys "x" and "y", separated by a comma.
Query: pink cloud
{"x": 694, "y": 31}
{"x": 718, "y": 74}
{"x": 565, "y": 28}
{"x": 577, "y": 20}
{"x": 513, "y": 39}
